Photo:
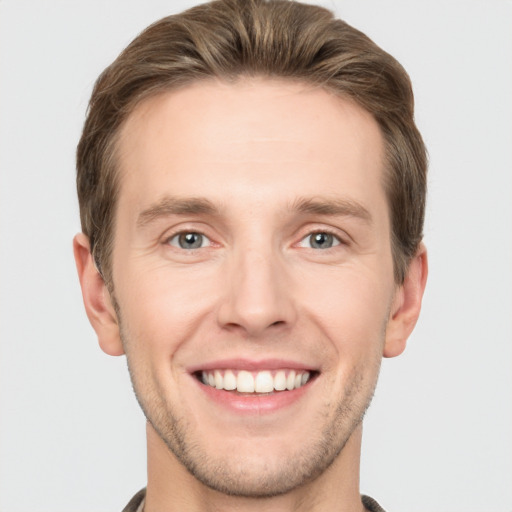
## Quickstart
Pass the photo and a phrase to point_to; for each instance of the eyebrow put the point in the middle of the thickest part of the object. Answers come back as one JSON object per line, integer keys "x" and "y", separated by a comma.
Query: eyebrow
{"x": 176, "y": 206}
{"x": 171, "y": 205}
{"x": 333, "y": 207}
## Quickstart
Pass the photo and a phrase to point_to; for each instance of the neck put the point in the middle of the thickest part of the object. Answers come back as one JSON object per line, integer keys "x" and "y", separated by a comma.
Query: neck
{"x": 171, "y": 488}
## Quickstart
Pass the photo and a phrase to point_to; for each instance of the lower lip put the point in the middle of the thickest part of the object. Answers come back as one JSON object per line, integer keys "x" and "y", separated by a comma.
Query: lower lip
{"x": 256, "y": 403}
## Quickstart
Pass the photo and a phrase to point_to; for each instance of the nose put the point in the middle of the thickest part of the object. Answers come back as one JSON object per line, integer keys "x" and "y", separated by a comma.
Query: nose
{"x": 258, "y": 294}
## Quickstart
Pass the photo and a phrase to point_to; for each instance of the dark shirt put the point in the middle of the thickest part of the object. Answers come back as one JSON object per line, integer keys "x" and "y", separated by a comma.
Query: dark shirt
{"x": 136, "y": 504}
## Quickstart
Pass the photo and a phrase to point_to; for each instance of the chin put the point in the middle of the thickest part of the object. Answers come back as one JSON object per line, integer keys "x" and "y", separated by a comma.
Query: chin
{"x": 253, "y": 466}
{"x": 251, "y": 473}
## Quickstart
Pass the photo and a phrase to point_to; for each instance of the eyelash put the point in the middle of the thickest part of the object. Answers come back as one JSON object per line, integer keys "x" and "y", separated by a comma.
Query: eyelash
{"x": 336, "y": 238}
{"x": 169, "y": 239}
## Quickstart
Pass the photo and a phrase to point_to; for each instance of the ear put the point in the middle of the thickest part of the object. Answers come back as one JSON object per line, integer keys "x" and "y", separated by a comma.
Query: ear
{"x": 96, "y": 298}
{"x": 406, "y": 305}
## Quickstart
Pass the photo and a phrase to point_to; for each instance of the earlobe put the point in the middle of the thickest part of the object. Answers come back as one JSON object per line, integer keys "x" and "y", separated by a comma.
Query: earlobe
{"x": 406, "y": 305}
{"x": 96, "y": 298}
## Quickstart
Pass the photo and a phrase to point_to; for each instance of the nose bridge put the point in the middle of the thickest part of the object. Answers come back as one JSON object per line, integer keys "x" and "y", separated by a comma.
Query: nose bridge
{"x": 256, "y": 295}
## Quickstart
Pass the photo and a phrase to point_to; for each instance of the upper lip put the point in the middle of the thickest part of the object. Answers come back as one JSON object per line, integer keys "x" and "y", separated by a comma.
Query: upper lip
{"x": 250, "y": 365}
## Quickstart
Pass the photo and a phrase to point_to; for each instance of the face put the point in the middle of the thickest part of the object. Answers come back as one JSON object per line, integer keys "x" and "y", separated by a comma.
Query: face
{"x": 253, "y": 276}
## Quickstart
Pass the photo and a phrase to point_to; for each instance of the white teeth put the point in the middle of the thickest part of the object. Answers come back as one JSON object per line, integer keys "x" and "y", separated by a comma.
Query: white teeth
{"x": 245, "y": 382}
{"x": 219, "y": 381}
{"x": 264, "y": 383}
{"x": 280, "y": 381}
{"x": 229, "y": 380}
{"x": 290, "y": 381}
{"x": 255, "y": 382}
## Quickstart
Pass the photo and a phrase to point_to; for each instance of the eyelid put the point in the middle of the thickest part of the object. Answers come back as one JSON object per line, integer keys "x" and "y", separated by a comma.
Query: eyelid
{"x": 337, "y": 240}
{"x": 168, "y": 240}
{"x": 184, "y": 228}
{"x": 343, "y": 237}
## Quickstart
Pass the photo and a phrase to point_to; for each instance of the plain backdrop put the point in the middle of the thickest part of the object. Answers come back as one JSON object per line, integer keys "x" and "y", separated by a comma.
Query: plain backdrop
{"x": 438, "y": 437}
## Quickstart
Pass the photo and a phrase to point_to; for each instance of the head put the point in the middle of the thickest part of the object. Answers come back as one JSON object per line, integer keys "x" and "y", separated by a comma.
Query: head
{"x": 232, "y": 39}
{"x": 252, "y": 188}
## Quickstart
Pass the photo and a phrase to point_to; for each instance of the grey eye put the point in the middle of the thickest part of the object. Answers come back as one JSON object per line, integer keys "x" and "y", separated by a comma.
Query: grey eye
{"x": 189, "y": 240}
{"x": 320, "y": 240}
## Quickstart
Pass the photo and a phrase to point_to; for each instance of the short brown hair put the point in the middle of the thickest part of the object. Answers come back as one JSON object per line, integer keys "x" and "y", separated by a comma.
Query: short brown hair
{"x": 227, "y": 39}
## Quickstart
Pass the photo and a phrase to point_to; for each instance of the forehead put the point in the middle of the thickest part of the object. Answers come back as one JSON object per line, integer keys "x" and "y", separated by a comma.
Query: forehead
{"x": 213, "y": 138}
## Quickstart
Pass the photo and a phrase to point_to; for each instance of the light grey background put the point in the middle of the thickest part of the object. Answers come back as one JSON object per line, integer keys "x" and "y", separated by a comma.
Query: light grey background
{"x": 438, "y": 437}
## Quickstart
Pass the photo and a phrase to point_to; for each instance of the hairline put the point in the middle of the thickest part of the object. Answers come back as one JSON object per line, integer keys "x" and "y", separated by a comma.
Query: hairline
{"x": 105, "y": 264}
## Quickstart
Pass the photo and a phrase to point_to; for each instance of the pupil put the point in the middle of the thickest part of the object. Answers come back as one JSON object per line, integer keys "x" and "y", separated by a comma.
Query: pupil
{"x": 191, "y": 240}
{"x": 321, "y": 240}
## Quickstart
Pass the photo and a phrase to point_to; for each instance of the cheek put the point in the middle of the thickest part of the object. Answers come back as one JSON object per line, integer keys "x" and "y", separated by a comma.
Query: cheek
{"x": 162, "y": 308}
{"x": 351, "y": 308}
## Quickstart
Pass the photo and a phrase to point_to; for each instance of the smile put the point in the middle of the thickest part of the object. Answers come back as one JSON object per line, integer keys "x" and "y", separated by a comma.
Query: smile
{"x": 266, "y": 381}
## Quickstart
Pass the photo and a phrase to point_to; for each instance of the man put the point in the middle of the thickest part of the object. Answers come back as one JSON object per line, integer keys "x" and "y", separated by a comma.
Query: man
{"x": 252, "y": 190}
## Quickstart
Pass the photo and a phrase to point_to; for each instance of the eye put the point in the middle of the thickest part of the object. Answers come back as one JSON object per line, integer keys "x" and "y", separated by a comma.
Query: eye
{"x": 190, "y": 240}
{"x": 320, "y": 240}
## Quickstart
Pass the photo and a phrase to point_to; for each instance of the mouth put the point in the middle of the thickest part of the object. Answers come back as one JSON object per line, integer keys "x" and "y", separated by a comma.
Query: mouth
{"x": 255, "y": 382}
{"x": 244, "y": 386}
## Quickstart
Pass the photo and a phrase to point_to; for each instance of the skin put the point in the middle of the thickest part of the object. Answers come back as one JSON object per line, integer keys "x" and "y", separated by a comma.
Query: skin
{"x": 276, "y": 162}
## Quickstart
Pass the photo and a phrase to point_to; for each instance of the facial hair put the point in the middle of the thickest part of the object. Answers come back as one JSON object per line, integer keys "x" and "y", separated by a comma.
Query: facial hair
{"x": 237, "y": 474}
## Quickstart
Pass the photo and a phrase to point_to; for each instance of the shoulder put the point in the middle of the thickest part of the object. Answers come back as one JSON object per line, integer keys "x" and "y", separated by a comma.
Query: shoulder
{"x": 136, "y": 503}
{"x": 371, "y": 505}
